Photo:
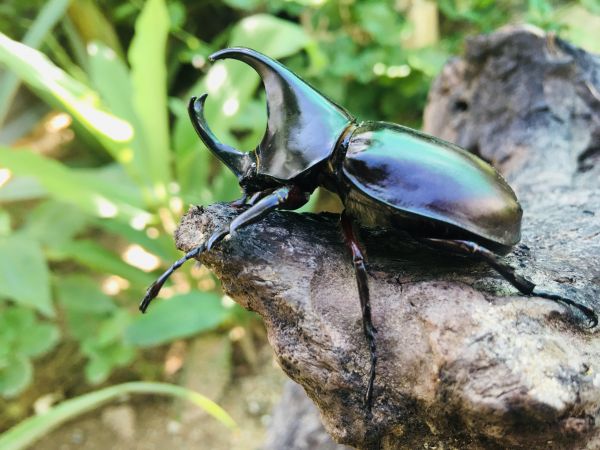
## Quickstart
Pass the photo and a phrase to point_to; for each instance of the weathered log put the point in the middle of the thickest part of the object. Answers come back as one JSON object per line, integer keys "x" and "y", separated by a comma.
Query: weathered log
{"x": 464, "y": 360}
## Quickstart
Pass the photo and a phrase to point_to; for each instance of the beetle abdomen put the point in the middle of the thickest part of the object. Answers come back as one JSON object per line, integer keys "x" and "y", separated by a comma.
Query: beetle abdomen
{"x": 420, "y": 176}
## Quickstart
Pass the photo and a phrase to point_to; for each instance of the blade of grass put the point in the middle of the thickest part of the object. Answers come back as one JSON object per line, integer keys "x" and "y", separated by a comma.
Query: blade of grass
{"x": 50, "y": 14}
{"x": 98, "y": 258}
{"x": 83, "y": 188}
{"x": 147, "y": 55}
{"x": 63, "y": 91}
{"x": 30, "y": 430}
{"x": 110, "y": 76}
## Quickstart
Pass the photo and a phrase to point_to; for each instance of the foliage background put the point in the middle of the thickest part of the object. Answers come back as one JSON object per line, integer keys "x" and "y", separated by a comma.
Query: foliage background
{"x": 98, "y": 160}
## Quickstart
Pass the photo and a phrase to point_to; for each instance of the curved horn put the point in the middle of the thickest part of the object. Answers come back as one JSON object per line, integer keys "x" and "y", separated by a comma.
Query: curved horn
{"x": 237, "y": 161}
{"x": 303, "y": 125}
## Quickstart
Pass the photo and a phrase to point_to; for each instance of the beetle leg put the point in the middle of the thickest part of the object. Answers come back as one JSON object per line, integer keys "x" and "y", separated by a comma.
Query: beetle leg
{"x": 280, "y": 197}
{"x": 238, "y": 203}
{"x": 360, "y": 271}
{"x": 508, "y": 272}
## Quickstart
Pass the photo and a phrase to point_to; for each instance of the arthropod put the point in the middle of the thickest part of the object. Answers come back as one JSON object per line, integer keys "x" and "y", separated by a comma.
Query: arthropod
{"x": 386, "y": 175}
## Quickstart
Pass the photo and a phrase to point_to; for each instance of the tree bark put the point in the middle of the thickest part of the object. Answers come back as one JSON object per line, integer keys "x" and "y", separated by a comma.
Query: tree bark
{"x": 465, "y": 361}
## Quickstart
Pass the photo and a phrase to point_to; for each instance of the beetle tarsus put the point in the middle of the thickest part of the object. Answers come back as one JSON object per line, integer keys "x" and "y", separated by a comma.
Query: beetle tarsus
{"x": 360, "y": 270}
{"x": 155, "y": 287}
{"x": 588, "y": 312}
{"x": 240, "y": 201}
{"x": 268, "y": 203}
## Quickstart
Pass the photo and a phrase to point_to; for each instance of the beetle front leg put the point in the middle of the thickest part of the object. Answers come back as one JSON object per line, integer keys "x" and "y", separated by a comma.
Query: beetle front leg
{"x": 280, "y": 197}
{"x": 239, "y": 202}
{"x": 360, "y": 271}
{"x": 508, "y": 272}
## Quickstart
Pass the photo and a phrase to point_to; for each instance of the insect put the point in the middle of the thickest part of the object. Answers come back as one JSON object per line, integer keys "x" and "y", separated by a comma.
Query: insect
{"x": 386, "y": 175}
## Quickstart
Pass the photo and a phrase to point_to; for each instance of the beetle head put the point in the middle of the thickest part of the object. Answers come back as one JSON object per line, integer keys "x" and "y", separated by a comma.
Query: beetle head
{"x": 303, "y": 126}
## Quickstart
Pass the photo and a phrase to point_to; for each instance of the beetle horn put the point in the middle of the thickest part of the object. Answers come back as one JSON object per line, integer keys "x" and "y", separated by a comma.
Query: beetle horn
{"x": 302, "y": 123}
{"x": 238, "y": 162}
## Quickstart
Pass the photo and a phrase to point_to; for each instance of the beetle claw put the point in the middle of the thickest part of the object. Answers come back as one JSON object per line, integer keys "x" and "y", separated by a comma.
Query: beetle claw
{"x": 589, "y": 313}
{"x": 151, "y": 293}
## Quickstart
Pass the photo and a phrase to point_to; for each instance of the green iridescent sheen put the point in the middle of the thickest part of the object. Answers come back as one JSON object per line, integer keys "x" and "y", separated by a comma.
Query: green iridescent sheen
{"x": 428, "y": 177}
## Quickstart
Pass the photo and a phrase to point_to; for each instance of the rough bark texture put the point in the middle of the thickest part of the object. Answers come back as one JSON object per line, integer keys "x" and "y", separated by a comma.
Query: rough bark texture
{"x": 297, "y": 424}
{"x": 464, "y": 360}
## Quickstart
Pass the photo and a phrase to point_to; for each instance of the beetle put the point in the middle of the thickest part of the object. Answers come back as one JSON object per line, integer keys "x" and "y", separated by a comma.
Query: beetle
{"x": 386, "y": 175}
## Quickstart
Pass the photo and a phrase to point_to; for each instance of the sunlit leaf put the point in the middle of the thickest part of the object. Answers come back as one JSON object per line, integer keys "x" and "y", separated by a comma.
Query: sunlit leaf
{"x": 50, "y": 14}
{"x": 24, "y": 274}
{"x": 22, "y": 188}
{"x": 110, "y": 76}
{"x": 178, "y": 317}
{"x": 63, "y": 91}
{"x": 86, "y": 189}
{"x": 269, "y": 35}
{"x": 30, "y": 430}
{"x": 149, "y": 90}
{"x": 92, "y": 25}
{"x": 161, "y": 246}
{"x": 99, "y": 258}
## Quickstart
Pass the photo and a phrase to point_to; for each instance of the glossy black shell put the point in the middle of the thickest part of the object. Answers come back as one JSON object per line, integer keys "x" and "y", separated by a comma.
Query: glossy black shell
{"x": 399, "y": 177}
{"x": 387, "y": 175}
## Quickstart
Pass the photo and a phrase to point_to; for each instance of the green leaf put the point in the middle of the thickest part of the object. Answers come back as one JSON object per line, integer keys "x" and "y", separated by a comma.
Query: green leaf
{"x": 270, "y": 35}
{"x": 428, "y": 60}
{"x": 81, "y": 293}
{"x": 24, "y": 274}
{"x": 37, "y": 340}
{"x": 96, "y": 257}
{"x": 162, "y": 246}
{"x": 86, "y": 189}
{"x": 247, "y": 5}
{"x": 149, "y": 82}
{"x": 110, "y": 77}
{"x": 53, "y": 223}
{"x": 22, "y": 188}
{"x": 104, "y": 358}
{"x": 178, "y": 317}
{"x": 16, "y": 372}
{"x": 112, "y": 330}
{"x": 380, "y": 21}
{"x": 24, "y": 434}
{"x": 50, "y": 14}
{"x": 5, "y": 226}
{"x": 63, "y": 91}
{"x": 97, "y": 370}
{"x": 90, "y": 24}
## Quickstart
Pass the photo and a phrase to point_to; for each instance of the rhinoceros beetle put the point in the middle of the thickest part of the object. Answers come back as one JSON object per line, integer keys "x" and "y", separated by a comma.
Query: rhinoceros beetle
{"x": 386, "y": 175}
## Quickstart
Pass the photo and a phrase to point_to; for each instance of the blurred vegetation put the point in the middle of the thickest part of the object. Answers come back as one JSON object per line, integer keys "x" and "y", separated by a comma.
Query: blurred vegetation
{"x": 98, "y": 165}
